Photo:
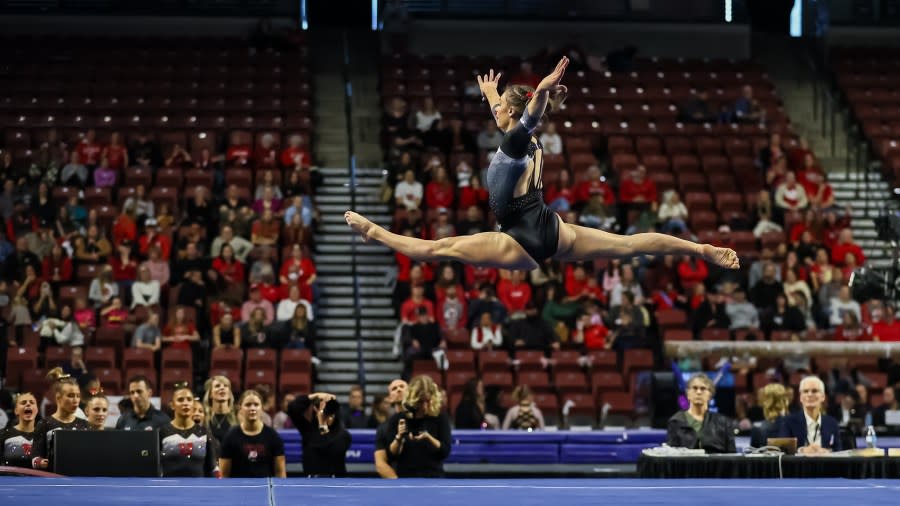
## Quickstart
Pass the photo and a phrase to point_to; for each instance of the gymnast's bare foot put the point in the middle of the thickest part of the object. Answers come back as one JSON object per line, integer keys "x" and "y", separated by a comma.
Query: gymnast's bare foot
{"x": 723, "y": 257}
{"x": 359, "y": 224}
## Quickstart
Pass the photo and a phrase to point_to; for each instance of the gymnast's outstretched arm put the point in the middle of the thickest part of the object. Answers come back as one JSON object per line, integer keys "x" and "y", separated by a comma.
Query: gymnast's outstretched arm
{"x": 488, "y": 84}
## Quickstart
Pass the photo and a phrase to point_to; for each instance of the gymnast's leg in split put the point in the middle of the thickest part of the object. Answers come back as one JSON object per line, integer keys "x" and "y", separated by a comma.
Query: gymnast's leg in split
{"x": 577, "y": 243}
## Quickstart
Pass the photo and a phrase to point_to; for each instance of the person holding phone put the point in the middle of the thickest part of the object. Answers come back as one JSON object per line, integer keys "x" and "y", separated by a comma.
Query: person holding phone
{"x": 420, "y": 434}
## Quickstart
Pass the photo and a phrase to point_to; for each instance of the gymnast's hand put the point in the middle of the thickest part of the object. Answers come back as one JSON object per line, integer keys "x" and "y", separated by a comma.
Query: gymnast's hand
{"x": 551, "y": 82}
{"x": 488, "y": 83}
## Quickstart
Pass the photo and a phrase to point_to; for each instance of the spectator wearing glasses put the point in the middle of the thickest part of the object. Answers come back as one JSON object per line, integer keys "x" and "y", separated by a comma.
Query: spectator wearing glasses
{"x": 816, "y": 432}
{"x": 697, "y": 426}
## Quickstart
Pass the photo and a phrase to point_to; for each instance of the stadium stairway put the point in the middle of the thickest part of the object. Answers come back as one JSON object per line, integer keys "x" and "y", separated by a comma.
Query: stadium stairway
{"x": 787, "y": 64}
{"x": 337, "y": 338}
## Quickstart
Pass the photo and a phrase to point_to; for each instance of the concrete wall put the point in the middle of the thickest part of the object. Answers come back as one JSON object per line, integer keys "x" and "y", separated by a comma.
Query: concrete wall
{"x": 526, "y": 38}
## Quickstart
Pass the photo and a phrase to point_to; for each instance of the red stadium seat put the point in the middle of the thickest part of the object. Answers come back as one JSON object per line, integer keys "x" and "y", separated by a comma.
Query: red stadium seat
{"x": 227, "y": 358}
{"x": 177, "y": 358}
{"x": 292, "y": 361}
{"x": 493, "y": 361}
{"x": 100, "y": 357}
{"x": 137, "y": 358}
{"x": 292, "y": 382}
{"x": 17, "y": 361}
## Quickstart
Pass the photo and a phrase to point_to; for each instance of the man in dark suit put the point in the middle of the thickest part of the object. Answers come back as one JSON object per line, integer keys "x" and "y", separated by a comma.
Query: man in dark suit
{"x": 815, "y": 431}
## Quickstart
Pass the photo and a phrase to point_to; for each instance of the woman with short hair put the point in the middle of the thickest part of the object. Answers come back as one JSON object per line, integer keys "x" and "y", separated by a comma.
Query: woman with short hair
{"x": 698, "y": 427}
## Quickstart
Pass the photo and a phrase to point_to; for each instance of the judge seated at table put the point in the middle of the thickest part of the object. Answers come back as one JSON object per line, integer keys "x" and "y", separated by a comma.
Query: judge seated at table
{"x": 697, "y": 427}
{"x": 774, "y": 401}
{"x": 816, "y": 432}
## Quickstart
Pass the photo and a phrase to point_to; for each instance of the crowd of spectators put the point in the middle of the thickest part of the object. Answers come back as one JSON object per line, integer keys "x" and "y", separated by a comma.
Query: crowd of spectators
{"x": 792, "y": 287}
{"x": 197, "y": 258}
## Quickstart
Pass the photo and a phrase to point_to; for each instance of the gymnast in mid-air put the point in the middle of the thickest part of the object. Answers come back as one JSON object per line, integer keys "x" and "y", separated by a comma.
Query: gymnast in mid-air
{"x": 529, "y": 231}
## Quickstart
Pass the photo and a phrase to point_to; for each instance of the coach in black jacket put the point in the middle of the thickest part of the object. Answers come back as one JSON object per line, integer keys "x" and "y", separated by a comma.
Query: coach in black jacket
{"x": 815, "y": 431}
{"x": 697, "y": 427}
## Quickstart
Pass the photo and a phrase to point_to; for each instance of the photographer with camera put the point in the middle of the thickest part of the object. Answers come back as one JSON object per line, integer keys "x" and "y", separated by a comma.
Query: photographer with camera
{"x": 420, "y": 435}
{"x": 325, "y": 440}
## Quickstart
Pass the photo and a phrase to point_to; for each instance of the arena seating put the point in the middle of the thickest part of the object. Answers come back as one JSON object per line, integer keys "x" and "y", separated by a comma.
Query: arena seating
{"x": 868, "y": 78}
{"x": 199, "y": 93}
{"x": 624, "y": 119}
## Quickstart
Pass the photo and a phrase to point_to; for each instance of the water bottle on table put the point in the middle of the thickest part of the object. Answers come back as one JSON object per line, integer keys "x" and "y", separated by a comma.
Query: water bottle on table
{"x": 871, "y": 437}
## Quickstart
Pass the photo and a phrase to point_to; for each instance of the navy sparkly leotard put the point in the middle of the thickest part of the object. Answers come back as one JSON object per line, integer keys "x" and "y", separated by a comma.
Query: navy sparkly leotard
{"x": 525, "y": 218}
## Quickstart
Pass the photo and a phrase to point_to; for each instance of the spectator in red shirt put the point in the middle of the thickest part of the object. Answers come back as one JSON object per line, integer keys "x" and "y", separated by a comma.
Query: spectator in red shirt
{"x": 851, "y": 329}
{"x": 475, "y": 277}
{"x": 473, "y": 195}
{"x": 593, "y": 184}
{"x": 115, "y": 315}
{"x": 639, "y": 189}
{"x": 833, "y": 226}
{"x": 409, "y": 309}
{"x": 85, "y": 316}
{"x": 238, "y": 152}
{"x": 89, "y": 149}
{"x": 560, "y": 194}
{"x": 230, "y": 268}
{"x": 57, "y": 266}
{"x": 266, "y": 153}
{"x": 125, "y": 227}
{"x": 116, "y": 153}
{"x": 514, "y": 292}
{"x": 124, "y": 267}
{"x": 180, "y": 333}
{"x": 692, "y": 271}
{"x": 818, "y": 191}
{"x": 810, "y": 223}
{"x": 576, "y": 280}
{"x": 446, "y": 278}
{"x": 296, "y": 154}
{"x": 439, "y": 193}
{"x": 266, "y": 230}
{"x": 844, "y": 246}
{"x": 888, "y": 329}
{"x": 153, "y": 236}
{"x": 303, "y": 268}
{"x": 798, "y": 155}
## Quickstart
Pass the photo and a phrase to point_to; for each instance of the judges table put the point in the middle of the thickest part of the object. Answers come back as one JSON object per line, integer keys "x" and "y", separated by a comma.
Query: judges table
{"x": 770, "y": 466}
